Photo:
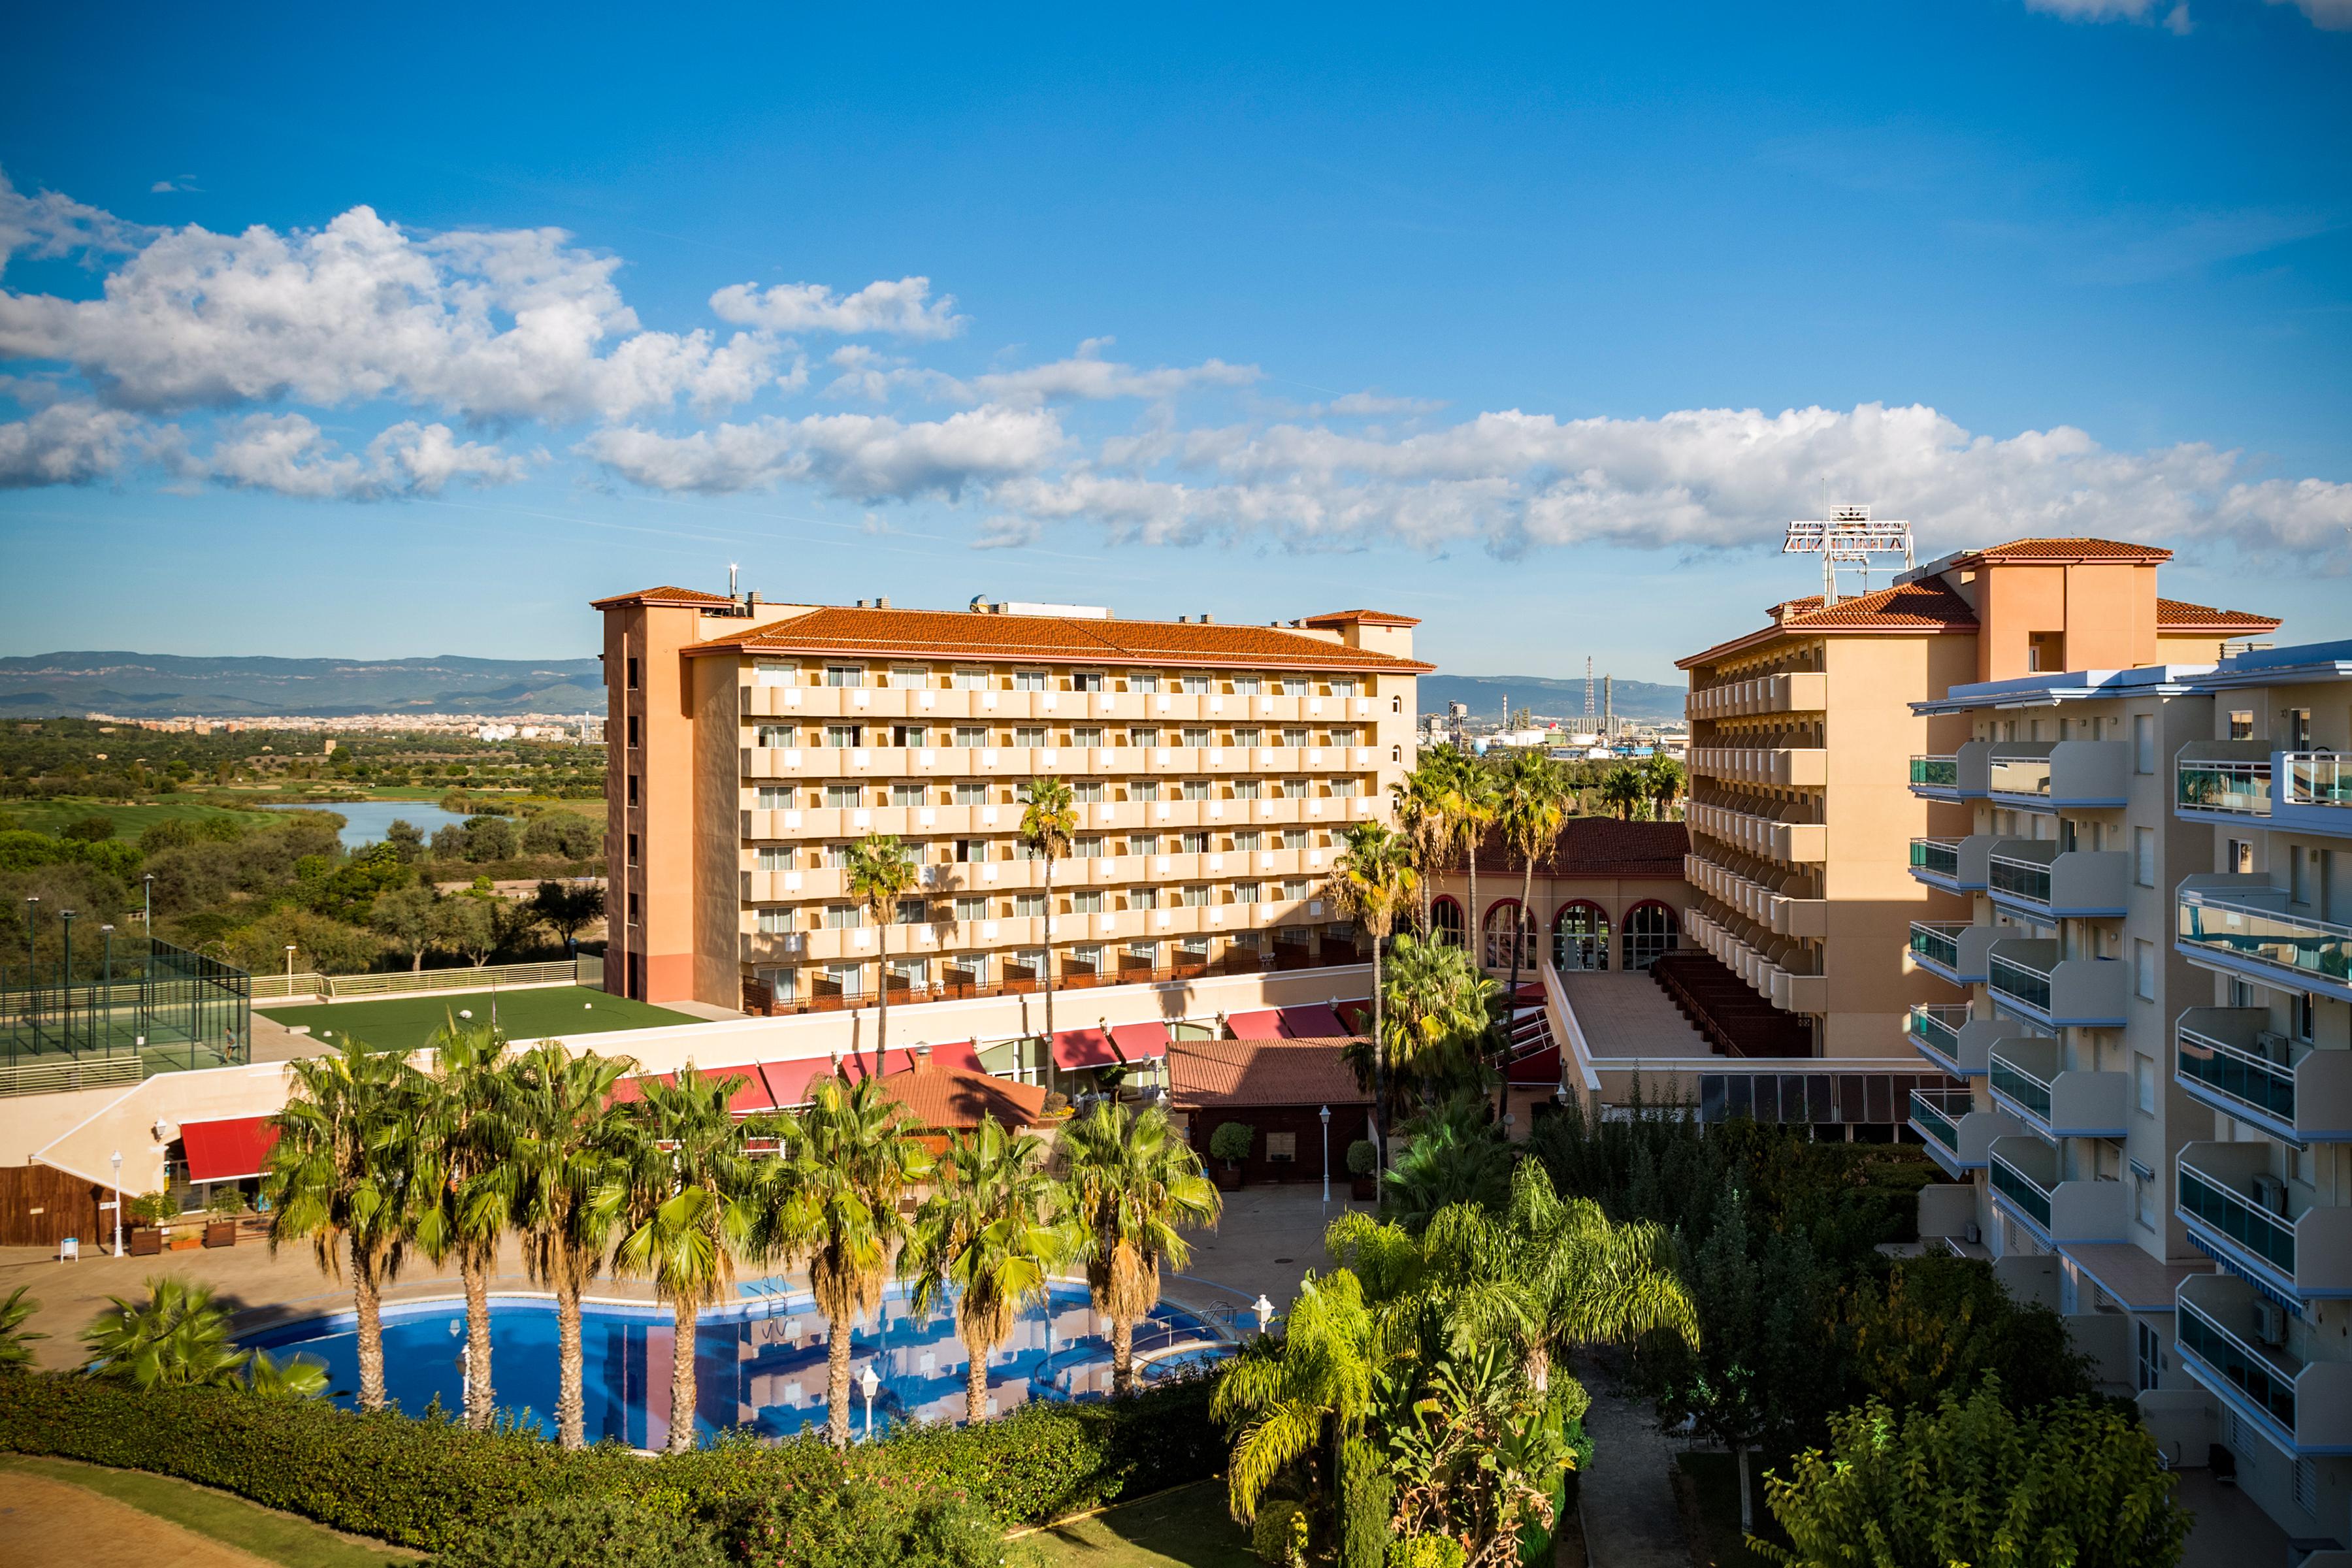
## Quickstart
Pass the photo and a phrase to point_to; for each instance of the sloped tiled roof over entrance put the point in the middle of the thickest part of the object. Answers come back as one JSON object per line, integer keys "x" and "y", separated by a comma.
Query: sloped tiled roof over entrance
{"x": 684, "y": 596}
{"x": 2178, "y": 615}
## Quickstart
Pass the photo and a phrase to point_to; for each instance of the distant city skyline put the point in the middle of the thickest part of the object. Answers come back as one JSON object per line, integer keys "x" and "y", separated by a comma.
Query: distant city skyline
{"x": 1539, "y": 331}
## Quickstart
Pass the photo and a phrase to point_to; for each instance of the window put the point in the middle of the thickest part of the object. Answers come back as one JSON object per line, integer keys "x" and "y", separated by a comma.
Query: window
{"x": 2144, "y": 857}
{"x": 1291, "y": 838}
{"x": 844, "y": 675}
{"x": 1145, "y": 790}
{"x": 2144, "y": 1200}
{"x": 1295, "y": 738}
{"x": 1245, "y": 892}
{"x": 2242, "y": 724}
{"x": 1087, "y": 735}
{"x": 971, "y": 737}
{"x": 1087, "y": 680}
{"x": 971, "y": 909}
{"x": 775, "y": 923}
{"x": 1029, "y": 680}
{"x": 632, "y": 730}
{"x": 633, "y": 789}
{"x": 1144, "y": 735}
{"x": 841, "y": 737}
{"x": 2239, "y": 855}
{"x": 965, "y": 851}
{"x": 2150, "y": 1357}
{"x": 1028, "y": 906}
{"x": 1245, "y": 685}
{"x": 632, "y": 908}
{"x": 841, "y": 797}
{"x": 2298, "y": 876}
{"x": 2144, "y": 742}
{"x": 2144, "y": 970}
{"x": 970, "y": 792}
{"x": 1143, "y": 680}
{"x": 904, "y": 796}
{"x": 1290, "y": 789}
{"x": 1292, "y": 686}
{"x": 632, "y": 674}
{"x": 1089, "y": 792}
{"x": 1143, "y": 899}
{"x": 1295, "y": 888}
{"x": 783, "y": 985}
{"x": 1194, "y": 685}
{"x": 910, "y": 677}
{"x": 1247, "y": 840}
{"x": 1247, "y": 789}
{"x": 1194, "y": 789}
{"x": 2301, "y": 1005}
{"x": 1030, "y": 735}
{"x": 912, "y": 912}
{"x": 1087, "y": 848}
{"x": 1196, "y": 895}
{"x": 632, "y": 848}
{"x": 1086, "y": 901}
{"x": 849, "y": 979}
{"x": 1250, "y": 736}
{"x": 970, "y": 680}
{"x": 1281, "y": 1148}
{"x": 2298, "y": 728}
{"x": 769, "y": 673}
{"x": 776, "y": 858}
{"x": 773, "y": 797}
{"x": 1143, "y": 844}
{"x": 1343, "y": 686}
{"x": 769, "y": 736}
{"x": 909, "y": 735}
{"x": 1199, "y": 738}
{"x": 840, "y": 917}
{"x": 2144, "y": 1083}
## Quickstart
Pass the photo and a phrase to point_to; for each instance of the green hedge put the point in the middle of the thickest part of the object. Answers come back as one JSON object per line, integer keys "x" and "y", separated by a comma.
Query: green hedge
{"x": 430, "y": 1483}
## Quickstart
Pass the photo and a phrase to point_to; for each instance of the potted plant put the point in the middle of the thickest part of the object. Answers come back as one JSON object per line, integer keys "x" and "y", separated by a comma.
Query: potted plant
{"x": 146, "y": 1214}
{"x": 1229, "y": 1145}
{"x": 223, "y": 1208}
{"x": 1363, "y": 1169}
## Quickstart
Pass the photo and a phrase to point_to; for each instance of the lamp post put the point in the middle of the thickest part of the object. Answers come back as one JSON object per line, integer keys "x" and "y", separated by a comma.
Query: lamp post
{"x": 290, "y": 969}
{"x": 117, "y": 1202}
{"x": 1265, "y": 1310}
{"x": 870, "y": 1383}
{"x": 1324, "y": 1116}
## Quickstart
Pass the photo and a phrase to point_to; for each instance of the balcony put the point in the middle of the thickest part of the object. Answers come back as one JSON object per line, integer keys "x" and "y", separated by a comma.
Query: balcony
{"x": 2060, "y": 775}
{"x": 2304, "y": 1406}
{"x": 932, "y": 705}
{"x": 2230, "y": 1059}
{"x": 2028, "y": 1078}
{"x": 2221, "y": 781}
{"x": 1958, "y": 1135}
{"x": 2031, "y": 877}
{"x": 2240, "y": 925}
{"x": 2026, "y": 1185}
{"x": 1935, "y": 1031}
{"x": 1952, "y": 949}
{"x": 2237, "y": 1209}
{"x": 2028, "y": 978}
{"x": 1761, "y": 901}
{"x": 1768, "y": 838}
{"x": 1783, "y": 768}
{"x": 1798, "y": 691}
{"x": 786, "y": 824}
{"x": 1955, "y": 865}
{"x": 1963, "y": 776}
{"x": 1764, "y": 971}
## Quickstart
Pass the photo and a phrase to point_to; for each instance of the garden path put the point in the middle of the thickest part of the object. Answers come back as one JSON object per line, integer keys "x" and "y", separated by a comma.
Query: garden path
{"x": 1630, "y": 1520}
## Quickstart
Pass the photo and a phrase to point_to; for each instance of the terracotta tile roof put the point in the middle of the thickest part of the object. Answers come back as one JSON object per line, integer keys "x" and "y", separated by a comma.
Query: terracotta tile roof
{"x": 1923, "y": 607}
{"x": 2067, "y": 550}
{"x": 2178, "y": 615}
{"x": 1213, "y": 1074}
{"x": 964, "y": 633}
{"x": 1370, "y": 618}
{"x": 947, "y": 1098}
{"x": 1593, "y": 847}
{"x": 661, "y": 596}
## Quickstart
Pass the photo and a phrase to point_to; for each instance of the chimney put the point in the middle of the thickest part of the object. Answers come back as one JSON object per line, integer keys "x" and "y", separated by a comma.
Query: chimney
{"x": 1205, "y": 618}
{"x": 861, "y": 604}
{"x": 922, "y": 1050}
{"x": 881, "y": 603}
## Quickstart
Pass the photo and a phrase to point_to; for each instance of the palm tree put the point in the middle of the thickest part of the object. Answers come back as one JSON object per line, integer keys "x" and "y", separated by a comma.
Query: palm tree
{"x": 296, "y": 1377}
{"x": 1531, "y": 802}
{"x": 834, "y": 1200}
{"x": 1133, "y": 1184}
{"x": 1317, "y": 1388}
{"x": 1370, "y": 880}
{"x": 992, "y": 1229}
{"x": 1625, "y": 789}
{"x": 1420, "y": 802}
{"x": 882, "y": 870}
{"x": 14, "y": 1339}
{"x": 1436, "y": 1009}
{"x": 1665, "y": 780}
{"x": 350, "y": 1174}
{"x": 1470, "y": 802}
{"x": 563, "y": 1184}
{"x": 689, "y": 1211}
{"x": 466, "y": 1132}
{"x": 1045, "y": 827}
{"x": 177, "y": 1337}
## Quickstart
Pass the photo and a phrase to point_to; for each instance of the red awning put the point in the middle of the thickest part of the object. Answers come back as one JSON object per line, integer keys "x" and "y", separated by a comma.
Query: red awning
{"x": 1265, "y": 1026}
{"x": 1076, "y": 1048}
{"x": 1535, "y": 1068}
{"x": 750, "y": 1095}
{"x": 227, "y": 1150}
{"x": 1315, "y": 1021}
{"x": 1140, "y": 1042}
{"x": 629, "y": 1090}
{"x": 788, "y": 1082}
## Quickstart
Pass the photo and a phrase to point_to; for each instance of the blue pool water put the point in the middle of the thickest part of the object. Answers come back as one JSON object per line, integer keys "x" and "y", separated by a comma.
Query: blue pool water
{"x": 366, "y": 822}
{"x": 761, "y": 1361}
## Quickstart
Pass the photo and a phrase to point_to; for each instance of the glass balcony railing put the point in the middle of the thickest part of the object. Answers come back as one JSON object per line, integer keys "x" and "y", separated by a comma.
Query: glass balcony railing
{"x": 2315, "y": 778}
{"x": 1938, "y": 1027}
{"x": 2242, "y": 787}
{"x": 1938, "y": 1112}
{"x": 2252, "y": 1373}
{"x": 1935, "y": 771}
{"x": 2221, "y": 1207}
{"x": 2020, "y": 1189}
{"x": 1939, "y": 856}
{"x": 1938, "y": 941}
{"x": 2024, "y": 986}
{"x": 2020, "y": 776}
{"x": 2321, "y": 949}
{"x": 2028, "y": 879}
{"x": 2019, "y": 1084}
{"x": 2255, "y": 1081}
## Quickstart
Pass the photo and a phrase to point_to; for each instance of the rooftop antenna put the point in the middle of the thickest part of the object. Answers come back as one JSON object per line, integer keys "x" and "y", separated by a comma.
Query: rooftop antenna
{"x": 1847, "y": 537}
{"x": 731, "y": 579}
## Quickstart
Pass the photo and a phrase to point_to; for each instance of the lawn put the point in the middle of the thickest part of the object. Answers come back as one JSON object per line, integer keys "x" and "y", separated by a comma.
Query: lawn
{"x": 48, "y": 815}
{"x": 268, "y": 1534}
{"x": 403, "y": 1023}
{"x": 1187, "y": 1528}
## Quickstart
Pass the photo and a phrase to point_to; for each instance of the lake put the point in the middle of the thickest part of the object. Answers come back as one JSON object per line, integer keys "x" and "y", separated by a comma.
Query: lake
{"x": 366, "y": 821}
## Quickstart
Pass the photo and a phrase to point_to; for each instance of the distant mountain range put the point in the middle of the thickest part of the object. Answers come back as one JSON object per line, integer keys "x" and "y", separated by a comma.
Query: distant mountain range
{"x": 155, "y": 685}
{"x": 1549, "y": 699}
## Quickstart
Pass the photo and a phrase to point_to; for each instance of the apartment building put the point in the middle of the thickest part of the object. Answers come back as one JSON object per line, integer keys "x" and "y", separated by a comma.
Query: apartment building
{"x": 1803, "y": 837}
{"x": 1214, "y": 766}
{"x": 2262, "y": 1051}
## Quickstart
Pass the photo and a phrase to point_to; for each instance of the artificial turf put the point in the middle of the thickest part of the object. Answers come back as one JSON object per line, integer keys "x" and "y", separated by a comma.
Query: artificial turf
{"x": 405, "y": 1023}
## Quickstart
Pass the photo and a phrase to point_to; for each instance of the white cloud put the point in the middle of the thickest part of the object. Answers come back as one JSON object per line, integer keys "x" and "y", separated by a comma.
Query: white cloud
{"x": 49, "y": 225}
{"x": 290, "y": 455}
{"x": 904, "y": 309}
{"x": 2174, "y": 17}
{"x": 2335, "y": 16}
{"x": 1086, "y": 376}
{"x": 66, "y": 444}
{"x": 858, "y": 457}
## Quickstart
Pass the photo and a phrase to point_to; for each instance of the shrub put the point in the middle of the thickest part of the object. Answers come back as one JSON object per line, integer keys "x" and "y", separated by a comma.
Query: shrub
{"x": 88, "y": 829}
{"x": 1363, "y": 1157}
{"x": 855, "y": 1521}
{"x": 1279, "y": 1534}
{"x": 587, "y": 1532}
{"x": 1231, "y": 1142}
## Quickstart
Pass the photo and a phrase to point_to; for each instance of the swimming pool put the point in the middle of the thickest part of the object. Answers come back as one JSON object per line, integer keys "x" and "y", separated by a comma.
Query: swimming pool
{"x": 760, "y": 1361}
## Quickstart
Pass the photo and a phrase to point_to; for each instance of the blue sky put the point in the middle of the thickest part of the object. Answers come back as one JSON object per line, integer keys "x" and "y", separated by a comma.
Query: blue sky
{"x": 411, "y": 333}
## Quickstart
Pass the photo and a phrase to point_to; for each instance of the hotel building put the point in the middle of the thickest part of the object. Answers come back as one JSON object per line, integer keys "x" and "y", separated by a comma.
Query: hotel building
{"x": 1214, "y": 767}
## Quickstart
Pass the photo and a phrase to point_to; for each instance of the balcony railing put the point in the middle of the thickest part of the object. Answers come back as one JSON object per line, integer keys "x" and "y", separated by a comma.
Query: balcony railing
{"x": 1937, "y": 1113}
{"x": 2026, "y": 986}
{"x": 2212, "y": 1202}
{"x": 1938, "y": 857}
{"x": 2240, "y": 788}
{"x": 2269, "y": 1385}
{"x": 2247, "y": 1076}
{"x": 2026, "y": 879}
{"x": 1938, "y": 1026}
{"x": 2042, "y": 774}
{"x": 1936, "y": 772}
{"x": 1939, "y": 941}
{"x": 2239, "y": 930}
{"x": 2314, "y": 778}
{"x": 2021, "y": 1189}
{"x": 2020, "y": 1085}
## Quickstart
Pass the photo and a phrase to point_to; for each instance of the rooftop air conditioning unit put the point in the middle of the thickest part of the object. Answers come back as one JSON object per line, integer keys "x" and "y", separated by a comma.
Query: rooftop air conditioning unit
{"x": 2271, "y": 1046}
{"x": 2270, "y": 1322}
{"x": 2270, "y": 1194}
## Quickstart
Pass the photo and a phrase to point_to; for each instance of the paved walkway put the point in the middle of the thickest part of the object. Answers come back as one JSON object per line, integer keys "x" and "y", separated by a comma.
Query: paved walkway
{"x": 1630, "y": 1520}
{"x": 1629, "y": 1015}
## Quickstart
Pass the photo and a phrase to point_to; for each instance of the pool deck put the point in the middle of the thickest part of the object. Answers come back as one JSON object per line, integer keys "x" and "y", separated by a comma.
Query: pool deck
{"x": 1230, "y": 1267}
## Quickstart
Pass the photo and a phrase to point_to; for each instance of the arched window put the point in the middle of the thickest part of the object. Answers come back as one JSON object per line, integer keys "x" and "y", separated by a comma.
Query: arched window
{"x": 1579, "y": 937}
{"x": 1447, "y": 916}
{"x": 1501, "y": 916}
{"x": 1651, "y": 929}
